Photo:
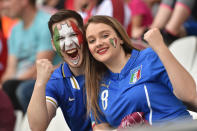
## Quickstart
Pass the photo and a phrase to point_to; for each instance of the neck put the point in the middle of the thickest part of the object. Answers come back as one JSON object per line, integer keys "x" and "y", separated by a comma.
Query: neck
{"x": 77, "y": 70}
{"x": 118, "y": 63}
{"x": 28, "y": 16}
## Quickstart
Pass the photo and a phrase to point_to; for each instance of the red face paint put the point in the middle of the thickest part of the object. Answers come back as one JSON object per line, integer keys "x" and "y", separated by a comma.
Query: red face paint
{"x": 77, "y": 31}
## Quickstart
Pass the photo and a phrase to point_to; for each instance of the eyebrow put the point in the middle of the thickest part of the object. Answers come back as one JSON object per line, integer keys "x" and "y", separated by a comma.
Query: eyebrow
{"x": 104, "y": 31}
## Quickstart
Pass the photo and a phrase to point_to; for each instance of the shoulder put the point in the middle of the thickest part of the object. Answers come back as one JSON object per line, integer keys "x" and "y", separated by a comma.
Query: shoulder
{"x": 147, "y": 52}
{"x": 42, "y": 17}
{"x": 44, "y": 14}
{"x": 18, "y": 26}
{"x": 57, "y": 74}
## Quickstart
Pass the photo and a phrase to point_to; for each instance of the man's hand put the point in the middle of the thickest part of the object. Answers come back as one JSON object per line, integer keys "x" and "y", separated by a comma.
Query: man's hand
{"x": 44, "y": 70}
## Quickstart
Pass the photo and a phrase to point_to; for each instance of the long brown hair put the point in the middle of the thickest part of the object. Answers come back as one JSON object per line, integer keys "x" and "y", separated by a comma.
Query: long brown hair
{"x": 95, "y": 70}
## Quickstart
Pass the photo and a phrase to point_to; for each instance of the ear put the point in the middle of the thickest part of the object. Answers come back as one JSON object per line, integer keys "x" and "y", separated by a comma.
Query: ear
{"x": 53, "y": 45}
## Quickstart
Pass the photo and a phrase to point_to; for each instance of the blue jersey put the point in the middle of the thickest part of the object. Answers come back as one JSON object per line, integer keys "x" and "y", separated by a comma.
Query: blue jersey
{"x": 142, "y": 86}
{"x": 67, "y": 92}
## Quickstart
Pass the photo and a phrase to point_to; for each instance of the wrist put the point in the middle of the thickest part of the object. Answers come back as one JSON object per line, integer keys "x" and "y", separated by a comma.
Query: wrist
{"x": 40, "y": 84}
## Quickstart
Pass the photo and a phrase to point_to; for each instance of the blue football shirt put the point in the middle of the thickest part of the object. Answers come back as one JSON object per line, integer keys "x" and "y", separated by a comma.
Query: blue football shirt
{"x": 67, "y": 92}
{"x": 142, "y": 85}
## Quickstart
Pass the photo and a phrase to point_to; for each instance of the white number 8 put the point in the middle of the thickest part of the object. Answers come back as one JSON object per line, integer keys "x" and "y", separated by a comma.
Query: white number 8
{"x": 104, "y": 97}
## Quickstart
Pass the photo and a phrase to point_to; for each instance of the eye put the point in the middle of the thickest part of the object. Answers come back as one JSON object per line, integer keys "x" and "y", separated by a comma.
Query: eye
{"x": 60, "y": 38}
{"x": 91, "y": 41}
{"x": 73, "y": 34}
{"x": 105, "y": 35}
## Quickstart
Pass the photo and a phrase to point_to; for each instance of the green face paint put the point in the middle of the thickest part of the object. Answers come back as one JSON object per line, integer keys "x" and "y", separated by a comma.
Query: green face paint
{"x": 56, "y": 40}
{"x": 111, "y": 40}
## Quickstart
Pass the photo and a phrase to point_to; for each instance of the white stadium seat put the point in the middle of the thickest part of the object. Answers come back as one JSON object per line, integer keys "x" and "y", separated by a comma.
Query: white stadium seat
{"x": 185, "y": 51}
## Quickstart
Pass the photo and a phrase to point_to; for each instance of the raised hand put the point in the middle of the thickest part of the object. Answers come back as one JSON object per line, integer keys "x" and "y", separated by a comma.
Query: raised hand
{"x": 44, "y": 70}
{"x": 154, "y": 38}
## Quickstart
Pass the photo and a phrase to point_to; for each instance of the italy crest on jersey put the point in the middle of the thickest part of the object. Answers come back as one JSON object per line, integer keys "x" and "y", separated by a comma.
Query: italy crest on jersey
{"x": 135, "y": 75}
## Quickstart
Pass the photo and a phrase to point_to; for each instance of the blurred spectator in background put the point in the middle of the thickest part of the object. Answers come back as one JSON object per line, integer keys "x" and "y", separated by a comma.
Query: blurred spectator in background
{"x": 3, "y": 50}
{"x": 7, "y": 117}
{"x": 51, "y": 6}
{"x": 29, "y": 40}
{"x": 141, "y": 15}
{"x": 7, "y": 121}
{"x": 69, "y": 5}
{"x": 57, "y": 4}
{"x": 116, "y": 8}
{"x": 176, "y": 18}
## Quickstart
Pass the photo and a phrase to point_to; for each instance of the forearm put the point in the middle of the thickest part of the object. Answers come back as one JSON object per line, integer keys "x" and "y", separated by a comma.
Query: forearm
{"x": 161, "y": 17}
{"x": 137, "y": 28}
{"x": 37, "y": 110}
{"x": 183, "y": 84}
{"x": 179, "y": 16}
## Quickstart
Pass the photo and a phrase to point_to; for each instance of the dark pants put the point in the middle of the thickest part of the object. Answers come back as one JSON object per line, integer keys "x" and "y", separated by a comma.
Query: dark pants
{"x": 10, "y": 87}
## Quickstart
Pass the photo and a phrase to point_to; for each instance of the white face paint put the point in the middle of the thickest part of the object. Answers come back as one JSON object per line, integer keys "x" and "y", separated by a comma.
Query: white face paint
{"x": 69, "y": 41}
{"x": 69, "y": 38}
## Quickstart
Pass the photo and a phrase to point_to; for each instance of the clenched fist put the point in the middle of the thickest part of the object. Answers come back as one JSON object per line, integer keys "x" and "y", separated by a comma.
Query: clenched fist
{"x": 154, "y": 38}
{"x": 44, "y": 70}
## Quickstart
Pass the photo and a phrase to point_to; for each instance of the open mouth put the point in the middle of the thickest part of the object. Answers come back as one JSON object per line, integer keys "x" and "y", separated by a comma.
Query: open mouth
{"x": 72, "y": 53}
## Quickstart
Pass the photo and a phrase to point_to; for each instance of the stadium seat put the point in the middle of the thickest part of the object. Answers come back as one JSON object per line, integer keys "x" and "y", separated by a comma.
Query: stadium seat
{"x": 185, "y": 51}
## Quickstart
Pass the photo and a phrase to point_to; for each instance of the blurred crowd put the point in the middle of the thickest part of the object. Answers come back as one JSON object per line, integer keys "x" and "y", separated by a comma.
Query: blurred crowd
{"x": 24, "y": 37}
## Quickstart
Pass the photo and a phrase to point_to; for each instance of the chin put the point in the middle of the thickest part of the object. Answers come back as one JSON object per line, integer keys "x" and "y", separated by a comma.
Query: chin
{"x": 79, "y": 64}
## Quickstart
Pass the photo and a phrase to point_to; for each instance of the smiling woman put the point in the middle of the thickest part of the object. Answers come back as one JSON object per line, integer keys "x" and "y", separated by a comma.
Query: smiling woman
{"x": 121, "y": 80}
{"x": 102, "y": 44}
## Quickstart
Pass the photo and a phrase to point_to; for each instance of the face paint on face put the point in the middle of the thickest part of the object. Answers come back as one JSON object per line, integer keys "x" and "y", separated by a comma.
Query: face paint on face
{"x": 72, "y": 36}
{"x": 68, "y": 38}
{"x": 56, "y": 40}
{"x": 77, "y": 31}
{"x": 113, "y": 41}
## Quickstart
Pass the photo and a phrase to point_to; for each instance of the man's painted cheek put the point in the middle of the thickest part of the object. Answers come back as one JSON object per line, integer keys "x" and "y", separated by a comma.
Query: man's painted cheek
{"x": 78, "y": 32}
{"x": 56, "y": 41}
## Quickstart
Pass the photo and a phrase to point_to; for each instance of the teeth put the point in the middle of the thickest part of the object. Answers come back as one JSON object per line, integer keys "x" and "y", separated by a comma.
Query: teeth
{"x": 101, "y": 50}
{"x": 76, "y": 60}
{"x": 71, "y": 51}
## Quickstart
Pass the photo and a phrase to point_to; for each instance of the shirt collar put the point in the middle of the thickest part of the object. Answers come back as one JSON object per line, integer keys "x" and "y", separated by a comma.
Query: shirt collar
{"x": 66, "y": 70}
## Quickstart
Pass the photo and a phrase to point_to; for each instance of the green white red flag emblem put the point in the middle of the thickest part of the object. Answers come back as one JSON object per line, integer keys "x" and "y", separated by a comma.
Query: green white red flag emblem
{"x": 135, "y": 75}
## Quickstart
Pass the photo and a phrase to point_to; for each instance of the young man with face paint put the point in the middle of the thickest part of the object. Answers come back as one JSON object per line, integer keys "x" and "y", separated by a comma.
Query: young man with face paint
{"x": 63, "y": 87}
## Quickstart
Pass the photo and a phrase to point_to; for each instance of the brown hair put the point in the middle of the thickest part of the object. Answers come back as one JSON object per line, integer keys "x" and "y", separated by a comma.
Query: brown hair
{"x": 95, "y": 70}
{"x": 62, "y": 15}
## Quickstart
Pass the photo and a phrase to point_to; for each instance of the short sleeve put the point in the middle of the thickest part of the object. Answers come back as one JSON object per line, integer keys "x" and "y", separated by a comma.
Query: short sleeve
{"x": 138, "y": 7}
{"x": 52, "y": 93}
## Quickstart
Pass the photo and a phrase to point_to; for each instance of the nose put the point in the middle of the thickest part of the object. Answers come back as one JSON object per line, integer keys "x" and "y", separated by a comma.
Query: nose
{"x": 99, "y": 43}
{"x": 68, "y": 42}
